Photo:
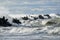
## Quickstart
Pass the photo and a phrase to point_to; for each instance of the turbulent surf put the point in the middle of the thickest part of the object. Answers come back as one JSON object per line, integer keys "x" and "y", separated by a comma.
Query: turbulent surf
{"x": 28, "y": 25}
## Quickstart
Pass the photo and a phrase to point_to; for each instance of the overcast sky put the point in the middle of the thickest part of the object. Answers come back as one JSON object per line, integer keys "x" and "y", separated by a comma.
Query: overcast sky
{"x": 31, "y": 6}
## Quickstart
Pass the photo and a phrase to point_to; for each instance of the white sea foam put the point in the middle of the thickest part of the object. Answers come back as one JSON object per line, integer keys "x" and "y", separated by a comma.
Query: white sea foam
{"x": 34, "y": 26}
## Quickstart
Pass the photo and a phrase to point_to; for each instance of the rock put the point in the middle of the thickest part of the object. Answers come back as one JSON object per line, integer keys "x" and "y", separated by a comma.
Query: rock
{"x": 35, "y": 18}
{"x": 25, "y": 18}
{"x": 41, "y": 17}
{"x": 47, "y": 16}
{"x": 4, "y": 22}
{"x": 16, "y": 21}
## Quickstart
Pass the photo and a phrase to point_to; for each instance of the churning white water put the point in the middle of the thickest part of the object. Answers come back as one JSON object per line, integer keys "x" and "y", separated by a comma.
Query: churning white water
{"x": 40, "y": 29}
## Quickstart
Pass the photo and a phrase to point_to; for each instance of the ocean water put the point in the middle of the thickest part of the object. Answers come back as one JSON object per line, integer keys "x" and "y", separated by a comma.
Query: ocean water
{"x": 26, "y": 33}
{"x": 30, "y": 6}
{"x": 40, "y": 29}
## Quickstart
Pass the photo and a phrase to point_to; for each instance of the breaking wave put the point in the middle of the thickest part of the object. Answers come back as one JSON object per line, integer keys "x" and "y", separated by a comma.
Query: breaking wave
{"x": 50, "y": 26}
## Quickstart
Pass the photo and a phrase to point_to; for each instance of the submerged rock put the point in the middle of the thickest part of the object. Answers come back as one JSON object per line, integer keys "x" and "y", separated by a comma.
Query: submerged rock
{"x": 50, "y": 23}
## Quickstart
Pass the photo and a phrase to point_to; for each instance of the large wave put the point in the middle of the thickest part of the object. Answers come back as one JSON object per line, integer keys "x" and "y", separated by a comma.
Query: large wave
{"x": 46, "y": 25}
